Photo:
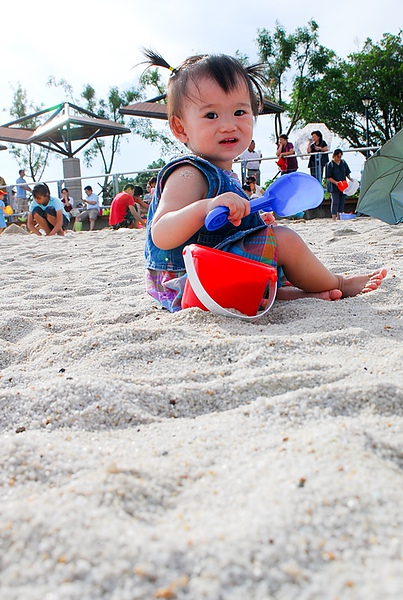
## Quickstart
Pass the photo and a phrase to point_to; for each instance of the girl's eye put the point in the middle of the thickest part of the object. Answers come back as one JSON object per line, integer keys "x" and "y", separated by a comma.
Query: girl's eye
{"x": 239, "y": 113}
{"x": 211, "y": 115}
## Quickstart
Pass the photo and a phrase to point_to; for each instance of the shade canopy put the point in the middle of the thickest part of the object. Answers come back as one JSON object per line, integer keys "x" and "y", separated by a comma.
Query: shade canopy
{"x": 62, "y": 125}
{"x": 381, "y": 190}
{"x": 157, "y": 109}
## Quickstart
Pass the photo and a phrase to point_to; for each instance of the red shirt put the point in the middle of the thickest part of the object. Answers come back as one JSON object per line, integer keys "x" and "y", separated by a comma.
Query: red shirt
{"x": 119, "y": 207}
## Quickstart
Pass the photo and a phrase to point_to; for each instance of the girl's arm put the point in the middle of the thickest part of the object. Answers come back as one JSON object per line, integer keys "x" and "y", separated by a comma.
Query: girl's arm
{"x": 31, "y": 225}
{"x": 183, "y": 207}
{"x": 279, "y": 150}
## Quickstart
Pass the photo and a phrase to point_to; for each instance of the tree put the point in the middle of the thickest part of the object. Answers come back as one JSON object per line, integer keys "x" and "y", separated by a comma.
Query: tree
{"x": 142, "y": 178}
{"x": 298, "y": 56}
{"x": 107, "y": 149}
{"x": 333, "y": 95}
{"x": 30, "y": 157}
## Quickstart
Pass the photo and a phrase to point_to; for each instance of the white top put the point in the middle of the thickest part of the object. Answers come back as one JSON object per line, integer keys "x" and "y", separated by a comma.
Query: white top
{"x": 254, "y": 164}
{"x": 92, "y": 197}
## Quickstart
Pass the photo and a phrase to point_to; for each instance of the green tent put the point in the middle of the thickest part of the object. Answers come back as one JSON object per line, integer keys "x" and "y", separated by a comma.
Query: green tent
{"x": 381, "y": 190}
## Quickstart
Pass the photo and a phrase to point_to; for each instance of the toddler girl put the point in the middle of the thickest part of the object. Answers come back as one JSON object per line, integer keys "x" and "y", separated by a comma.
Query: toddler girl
{"x": 212, "y": 104}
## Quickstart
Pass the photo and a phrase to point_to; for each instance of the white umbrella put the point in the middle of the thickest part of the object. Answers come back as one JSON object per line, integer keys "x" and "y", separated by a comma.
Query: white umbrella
{"x": 304, "y": 136}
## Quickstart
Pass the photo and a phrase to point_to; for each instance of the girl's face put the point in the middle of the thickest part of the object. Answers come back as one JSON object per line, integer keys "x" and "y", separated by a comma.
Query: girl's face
{"x": 215, "y": 125}
{"x": 315, "y": 138}
{"x": 42, "y": 200}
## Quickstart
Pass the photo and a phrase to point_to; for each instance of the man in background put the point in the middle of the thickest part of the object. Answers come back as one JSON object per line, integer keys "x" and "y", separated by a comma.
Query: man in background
{"x": 92, "y": 211}
{"x": 124, "y": 211}
{"x": 252, "y": 158}
{"x": 21, "y": 202}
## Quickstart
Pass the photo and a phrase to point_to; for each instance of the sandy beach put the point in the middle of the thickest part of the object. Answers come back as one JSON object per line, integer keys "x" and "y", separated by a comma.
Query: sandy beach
{"x": 149, "y": 455}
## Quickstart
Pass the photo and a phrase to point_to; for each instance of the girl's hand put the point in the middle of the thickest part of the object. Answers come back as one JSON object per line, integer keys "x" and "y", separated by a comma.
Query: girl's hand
{"x": 268, "y": 218}
{"x": 238, "y": 206}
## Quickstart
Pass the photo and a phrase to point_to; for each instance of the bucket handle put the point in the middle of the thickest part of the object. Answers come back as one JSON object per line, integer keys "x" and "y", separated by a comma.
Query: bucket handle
{"x": 208, "y": 301}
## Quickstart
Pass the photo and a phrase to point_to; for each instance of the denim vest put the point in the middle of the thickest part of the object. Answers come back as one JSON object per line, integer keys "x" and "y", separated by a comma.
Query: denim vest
{"x": 219, "y": 181}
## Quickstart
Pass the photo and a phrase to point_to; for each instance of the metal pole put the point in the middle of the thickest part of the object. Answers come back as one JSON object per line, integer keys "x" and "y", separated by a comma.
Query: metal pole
{"x": 366, "y": 118}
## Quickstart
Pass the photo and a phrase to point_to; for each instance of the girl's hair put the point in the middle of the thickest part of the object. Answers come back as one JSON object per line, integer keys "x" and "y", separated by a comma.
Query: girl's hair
{"x": 225, "y": 70}
{"x": 65, "y": 190}
{"x": 40, "y": 189}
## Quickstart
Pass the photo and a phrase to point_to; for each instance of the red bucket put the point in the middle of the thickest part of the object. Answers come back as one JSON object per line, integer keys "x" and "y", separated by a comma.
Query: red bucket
{"x": 231, "y": 281}
{"x": 342, "y": 185}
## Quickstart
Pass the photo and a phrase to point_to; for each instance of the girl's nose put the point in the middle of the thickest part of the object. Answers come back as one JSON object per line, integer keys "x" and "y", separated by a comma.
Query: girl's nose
{"x": 228, "y": 123}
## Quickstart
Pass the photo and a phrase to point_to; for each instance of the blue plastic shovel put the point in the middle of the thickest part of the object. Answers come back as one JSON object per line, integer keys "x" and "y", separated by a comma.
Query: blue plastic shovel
{"x": 287, "y": 196}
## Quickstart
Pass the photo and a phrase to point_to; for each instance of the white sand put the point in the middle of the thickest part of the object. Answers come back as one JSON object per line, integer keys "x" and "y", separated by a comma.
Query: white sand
{"x": 191, "y": 456}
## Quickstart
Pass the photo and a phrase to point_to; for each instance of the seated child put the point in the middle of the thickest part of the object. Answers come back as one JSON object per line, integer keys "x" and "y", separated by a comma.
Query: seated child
{"x": 212, "y": 105}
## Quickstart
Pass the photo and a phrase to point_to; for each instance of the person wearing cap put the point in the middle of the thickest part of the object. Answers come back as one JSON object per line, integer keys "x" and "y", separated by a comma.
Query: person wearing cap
{"x": 21, "y": 202}
{"x": 337, "y": 171}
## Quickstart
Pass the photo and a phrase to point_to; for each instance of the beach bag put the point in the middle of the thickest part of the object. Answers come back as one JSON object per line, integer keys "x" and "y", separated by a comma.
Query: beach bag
{"x": 282, "y": 164}
{"x": 219, "y": 281}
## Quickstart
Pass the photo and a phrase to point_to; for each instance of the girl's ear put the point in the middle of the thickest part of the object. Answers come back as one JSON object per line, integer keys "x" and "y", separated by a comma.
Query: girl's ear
{"x": 178, "y": 129}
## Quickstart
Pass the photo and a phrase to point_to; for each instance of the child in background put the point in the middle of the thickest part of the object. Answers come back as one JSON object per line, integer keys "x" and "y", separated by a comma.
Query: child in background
{"x": 46, "y": 214}
{"x": 150, "y": 187}
{"x": 212, "y": 106}
{"x": 3, "y": 223}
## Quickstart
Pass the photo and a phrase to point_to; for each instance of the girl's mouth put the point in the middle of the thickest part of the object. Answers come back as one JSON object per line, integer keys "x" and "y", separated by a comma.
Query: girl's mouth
{"x": 229, "y": 141}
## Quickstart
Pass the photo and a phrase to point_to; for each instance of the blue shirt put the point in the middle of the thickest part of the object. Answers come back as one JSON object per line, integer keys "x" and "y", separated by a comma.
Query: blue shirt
{"x": 55, "y": 202}
{"x": 21, "y": 192}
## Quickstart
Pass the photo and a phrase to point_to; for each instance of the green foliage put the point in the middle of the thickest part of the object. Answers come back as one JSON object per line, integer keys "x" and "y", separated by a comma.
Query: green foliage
{"x": 291, "y": 58}
{"x": 142, "y": 178}
{"x": 333, "y": 95}
{"x": 30, "y": 157}
{"x": 314, "y": 85}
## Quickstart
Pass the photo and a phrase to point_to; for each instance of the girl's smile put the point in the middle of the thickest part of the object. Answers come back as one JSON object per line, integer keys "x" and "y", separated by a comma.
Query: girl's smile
{"x": 214, "y": 124}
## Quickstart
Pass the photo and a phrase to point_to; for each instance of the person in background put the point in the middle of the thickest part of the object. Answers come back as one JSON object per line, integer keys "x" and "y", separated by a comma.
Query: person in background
{"x": 21, "y": 202}
{"x": 337, "y": 171}
{"x": 92, "y": 211}
{"x": 3, "y": 223}
{"x": 252, "y": 158}
{"x": 256, "y": 189}
{"x": 284, "y": 150}
{"x": 150, "y": 187}
{"x": 46, "y": 214}
{"x": 123, "y": 209}
{"x": 317, "y": 144}
{"x": 141, "y": 206}
{"x": 68, "y": 203}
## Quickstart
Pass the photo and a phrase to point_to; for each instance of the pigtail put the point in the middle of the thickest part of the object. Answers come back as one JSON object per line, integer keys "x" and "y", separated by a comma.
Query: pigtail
{"x": 258, "y": 77}
{"x": 154, "y": 59}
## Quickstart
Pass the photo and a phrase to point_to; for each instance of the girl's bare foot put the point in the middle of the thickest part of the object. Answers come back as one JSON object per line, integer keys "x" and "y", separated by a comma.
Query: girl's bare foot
{"x": 351, "y": 285}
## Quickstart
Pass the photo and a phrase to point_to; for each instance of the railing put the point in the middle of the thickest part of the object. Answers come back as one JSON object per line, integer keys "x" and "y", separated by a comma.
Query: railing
{"x": 60, "y": 183}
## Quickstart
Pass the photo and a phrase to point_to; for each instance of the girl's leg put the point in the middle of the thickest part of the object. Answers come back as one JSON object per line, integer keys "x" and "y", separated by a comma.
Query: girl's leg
{"x": 305, "y": 272}
{"x": 41, "y": 222}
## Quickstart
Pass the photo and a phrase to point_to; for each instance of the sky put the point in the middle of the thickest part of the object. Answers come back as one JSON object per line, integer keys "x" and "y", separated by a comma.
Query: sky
{"x": 83, "y": 41}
